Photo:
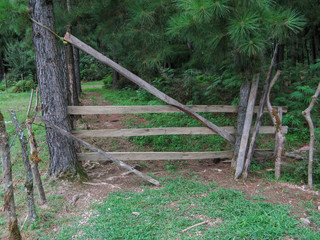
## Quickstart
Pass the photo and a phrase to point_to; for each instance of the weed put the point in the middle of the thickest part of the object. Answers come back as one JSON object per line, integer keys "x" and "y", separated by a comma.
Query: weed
{"x": 171, "y": 166}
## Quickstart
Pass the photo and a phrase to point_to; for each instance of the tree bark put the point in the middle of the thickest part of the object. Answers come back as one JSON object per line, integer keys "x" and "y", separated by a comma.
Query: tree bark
{"x": 278, "y": 125}
{"x": 143, "y": 84}
{"x": 9, "y": 204}
{"x": 35, "y": 159}
{"x": 63, "y": 159}
{"x": 247, "y": 126}
{"x": 307, "y": 115}
{"x": 77, "y": 69}
{"x": 280, "y": 57}
{"x": 5, "y": 82}
{"x": 1, "y": 68}
{"x": 63, "y": 69}
{"x": 316, "y": 42}
{"x": 73, "y": 100}
{"x": 28, "y": 185}
{"x": 243, "y": 102}
{"x": 115, "y": 79}
{"x": 313, "y": 52}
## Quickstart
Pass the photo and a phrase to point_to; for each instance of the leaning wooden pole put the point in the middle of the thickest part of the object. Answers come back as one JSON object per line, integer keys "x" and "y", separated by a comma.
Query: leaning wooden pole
{"x": 143, "y": 84}
{"x": 28, "y": 184}
{"x": 9, "y": 205}
{"x": 247, "y": 126}
{"x": 262, "y": 104}
{"x": 34, "y": 154}
{"x": 108, "y": 156}
{"x": 307, "y": 115}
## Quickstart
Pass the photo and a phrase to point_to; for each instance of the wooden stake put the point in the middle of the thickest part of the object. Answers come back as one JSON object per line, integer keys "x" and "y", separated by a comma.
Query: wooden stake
{"x": 279, "y": 133}
{"x": 307, "y": 115}
{"x": 9, "y": 204}
{"x": 247, "y": 126}
{"x": 28, "y": 185}
{"x": 108, "y": 156}
{"x": 143, "y": 84}
{"x": 34, "y": 154}
{"x": 259, "y": 115}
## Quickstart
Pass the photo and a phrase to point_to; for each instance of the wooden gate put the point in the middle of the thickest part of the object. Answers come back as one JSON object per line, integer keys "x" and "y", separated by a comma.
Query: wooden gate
{"x": 134, "y": 156}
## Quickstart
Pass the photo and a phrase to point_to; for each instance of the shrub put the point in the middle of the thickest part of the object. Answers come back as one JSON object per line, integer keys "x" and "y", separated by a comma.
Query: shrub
{"x": 107, "y": 81}
{"x": 24, "y": 85}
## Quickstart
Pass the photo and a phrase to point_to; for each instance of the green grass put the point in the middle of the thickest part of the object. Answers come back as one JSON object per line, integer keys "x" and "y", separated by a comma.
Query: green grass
{"x": 93, "y": 83}
{"x": 19, "y": 103}
{"x": 182, "y": 203}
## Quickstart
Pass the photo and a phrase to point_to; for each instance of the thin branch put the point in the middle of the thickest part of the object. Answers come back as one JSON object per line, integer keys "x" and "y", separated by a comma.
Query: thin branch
{"x": 307, "y": 115}
{"x": 30, "y": 103}
{"x": 193, "y": 226}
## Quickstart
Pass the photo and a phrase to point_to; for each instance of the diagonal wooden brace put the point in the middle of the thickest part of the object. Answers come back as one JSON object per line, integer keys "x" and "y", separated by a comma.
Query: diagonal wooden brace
{"x": 143, "y": 84}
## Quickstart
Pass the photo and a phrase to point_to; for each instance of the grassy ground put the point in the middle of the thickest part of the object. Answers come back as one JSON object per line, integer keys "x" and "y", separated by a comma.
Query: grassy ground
{"x": 163, "y": 213}
{"x": 154, "y": 213}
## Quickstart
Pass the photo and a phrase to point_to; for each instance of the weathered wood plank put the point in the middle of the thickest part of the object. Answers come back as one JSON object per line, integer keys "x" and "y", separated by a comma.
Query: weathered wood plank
{"x": 91, "y": 110}
{"x": 247, "y": 127}
{"x": 143, "y": 156}
{"x": 143, "y": 84}
{"x": 117, "y": 132}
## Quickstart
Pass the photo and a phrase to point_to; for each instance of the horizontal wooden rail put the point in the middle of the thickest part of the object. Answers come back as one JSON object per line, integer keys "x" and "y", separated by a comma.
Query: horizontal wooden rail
{"x": 136, "y": 156}
{"x": 90, "y": 110}
{"x": 161, "y": 131}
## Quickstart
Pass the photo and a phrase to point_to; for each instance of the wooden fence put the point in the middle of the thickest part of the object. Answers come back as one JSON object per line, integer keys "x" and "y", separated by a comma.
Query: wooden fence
{"x": 134, "y": 156}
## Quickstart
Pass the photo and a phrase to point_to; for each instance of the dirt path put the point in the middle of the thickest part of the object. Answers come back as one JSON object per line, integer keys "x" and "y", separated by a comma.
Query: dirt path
{"x": 106, "y": 177}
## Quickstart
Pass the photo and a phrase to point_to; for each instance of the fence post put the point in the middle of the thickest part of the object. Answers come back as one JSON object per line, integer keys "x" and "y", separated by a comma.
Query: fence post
{"x": 9, "y": 205}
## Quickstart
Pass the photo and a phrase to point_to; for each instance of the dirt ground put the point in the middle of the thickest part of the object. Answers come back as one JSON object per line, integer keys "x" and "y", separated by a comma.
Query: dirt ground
{"x": 107, "y": 177}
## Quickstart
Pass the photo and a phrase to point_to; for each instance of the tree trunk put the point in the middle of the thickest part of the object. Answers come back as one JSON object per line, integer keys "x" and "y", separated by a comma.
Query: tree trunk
{"x": 247, "y": 126}
{"x": 9, "y": 205}
{"x": 316, "y": 42}
{"x": 313, "y": 52}
{"x": 63, "y": 69}
{"x": 280, "y": 57}
{"x": 35, "y": 159}
{"x": 28, "y": 185}
{"x": 1, "y": 68}
{"x": 115, "y": 79}
{"x": 243, "y": 102}
{"x": 73, "y": 100}
{"x": 281, "y": 139}
{"x": 77, "y": 69}
{"x": 63, "y": 159}
{"x": 307, "y": 52}
{"x": 307, "y": 115}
